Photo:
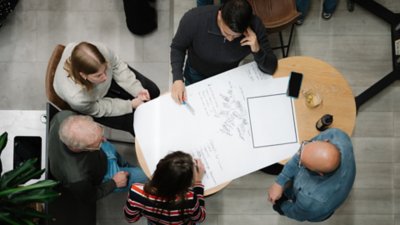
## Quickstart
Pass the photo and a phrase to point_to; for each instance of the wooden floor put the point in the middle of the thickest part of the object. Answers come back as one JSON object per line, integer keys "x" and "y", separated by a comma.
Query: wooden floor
{"x": 357, "y": 44}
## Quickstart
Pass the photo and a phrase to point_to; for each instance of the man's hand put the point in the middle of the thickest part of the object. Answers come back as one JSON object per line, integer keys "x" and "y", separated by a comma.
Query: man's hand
{"x": 178, "y": 92}
{"x": 144, "y": 95}
{"x": 250, "y": 39}
{"x": 275, "y": 192}
{"x": 121, "y": 178}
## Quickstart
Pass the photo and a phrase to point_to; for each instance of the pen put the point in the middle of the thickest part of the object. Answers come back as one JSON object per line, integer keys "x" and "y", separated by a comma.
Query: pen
{"x": 188, "y": 106}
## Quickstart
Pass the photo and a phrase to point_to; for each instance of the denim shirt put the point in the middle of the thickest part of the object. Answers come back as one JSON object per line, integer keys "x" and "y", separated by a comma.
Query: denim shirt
{"x": 315, "y": 197}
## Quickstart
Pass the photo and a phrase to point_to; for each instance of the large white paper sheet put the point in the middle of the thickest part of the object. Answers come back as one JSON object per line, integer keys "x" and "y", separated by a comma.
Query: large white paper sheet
{"x": 262, "y": 118}
{"x": 216, "y": 126}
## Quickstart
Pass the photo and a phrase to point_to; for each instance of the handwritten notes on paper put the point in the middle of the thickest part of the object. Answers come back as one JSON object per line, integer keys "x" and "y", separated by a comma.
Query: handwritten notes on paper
{"x": 228, "y": 130}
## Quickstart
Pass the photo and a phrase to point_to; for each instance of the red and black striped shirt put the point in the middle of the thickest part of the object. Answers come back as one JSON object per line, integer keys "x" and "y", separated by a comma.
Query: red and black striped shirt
{"x": 159, "y": 212}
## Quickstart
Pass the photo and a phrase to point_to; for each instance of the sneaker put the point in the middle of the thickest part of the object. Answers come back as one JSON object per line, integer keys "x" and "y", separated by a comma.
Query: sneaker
{"x": 326, "y": 16}
{"x": 299, "y": 22}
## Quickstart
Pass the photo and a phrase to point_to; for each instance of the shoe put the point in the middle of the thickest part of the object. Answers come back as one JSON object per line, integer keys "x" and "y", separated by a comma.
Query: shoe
{"x": 326, "y": 16}
{"x": 299, "y": 22}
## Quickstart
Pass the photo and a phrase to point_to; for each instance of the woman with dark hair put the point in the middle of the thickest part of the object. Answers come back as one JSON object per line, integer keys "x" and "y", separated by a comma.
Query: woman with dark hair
{"x": 95, "y": 82}
{"x": 174, "y": 195}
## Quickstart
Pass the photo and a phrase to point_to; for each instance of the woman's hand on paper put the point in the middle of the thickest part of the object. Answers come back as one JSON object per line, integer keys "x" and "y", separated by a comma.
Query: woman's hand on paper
{"x": 198, "y": 171}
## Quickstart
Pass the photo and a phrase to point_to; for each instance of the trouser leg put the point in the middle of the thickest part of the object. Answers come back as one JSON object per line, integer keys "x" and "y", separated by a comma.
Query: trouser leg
{"x": 204, "y": 2}
{"x": 329, "y": 6}
{"x": 123, "y": 122}
{"x": 153, "y": 89}
{"x": 191, "y": 75}
{"x": 303, "y": 6}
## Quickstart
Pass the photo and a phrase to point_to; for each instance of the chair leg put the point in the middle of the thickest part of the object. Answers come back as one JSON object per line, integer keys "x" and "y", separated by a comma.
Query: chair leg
{"x": 285, "y": 48}
{"x": 290, "y": 41}
{"x": 282, "y": 44}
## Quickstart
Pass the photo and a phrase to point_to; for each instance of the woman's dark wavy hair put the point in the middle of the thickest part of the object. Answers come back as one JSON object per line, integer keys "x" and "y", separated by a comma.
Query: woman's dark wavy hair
{"x": 237, "y": 14}
{"x": 173, "y": 176}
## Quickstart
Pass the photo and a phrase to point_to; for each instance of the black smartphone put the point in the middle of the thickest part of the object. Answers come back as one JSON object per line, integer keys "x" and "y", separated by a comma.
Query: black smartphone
{"x": 294, "y": 84}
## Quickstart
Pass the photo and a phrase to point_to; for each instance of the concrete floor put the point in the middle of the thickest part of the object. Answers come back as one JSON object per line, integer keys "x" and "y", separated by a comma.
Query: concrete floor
{"x": 357, "y": 44}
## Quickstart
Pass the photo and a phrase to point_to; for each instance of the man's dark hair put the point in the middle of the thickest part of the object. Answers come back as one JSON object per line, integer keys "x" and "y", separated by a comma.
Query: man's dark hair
{"x": 237, "y": 14}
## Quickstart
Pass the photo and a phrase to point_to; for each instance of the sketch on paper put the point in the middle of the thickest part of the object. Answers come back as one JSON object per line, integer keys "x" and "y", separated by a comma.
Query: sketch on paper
{"x": 224, "y": 132}
{"x": 211, "y": 160}
{"x": 230, "y": 110}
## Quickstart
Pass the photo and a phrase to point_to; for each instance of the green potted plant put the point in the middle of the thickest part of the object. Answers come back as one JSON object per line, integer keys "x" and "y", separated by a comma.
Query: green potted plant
{"x": 16, "y": 199}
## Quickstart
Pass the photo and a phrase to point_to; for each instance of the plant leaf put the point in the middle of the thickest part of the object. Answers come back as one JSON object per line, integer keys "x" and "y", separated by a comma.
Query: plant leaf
{"x": 7, "y": 219}
{"x": 12, "y": 174}
{"x": 37, "y": 185}
{"x": 39, "y": 195}
{"x": 3, "y": 141}
{"x": 28, "y": 222}
{"x": 23, "y": 178}
{"x": 26, "y": 212}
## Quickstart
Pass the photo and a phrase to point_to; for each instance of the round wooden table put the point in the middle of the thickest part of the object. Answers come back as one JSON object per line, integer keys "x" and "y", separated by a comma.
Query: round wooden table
{"x": 337, "y": 97}
{"x": 337, "y": 100}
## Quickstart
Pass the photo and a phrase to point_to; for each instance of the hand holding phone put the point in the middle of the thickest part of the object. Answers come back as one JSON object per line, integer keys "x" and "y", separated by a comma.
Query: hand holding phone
{"x": 294, "y": 84}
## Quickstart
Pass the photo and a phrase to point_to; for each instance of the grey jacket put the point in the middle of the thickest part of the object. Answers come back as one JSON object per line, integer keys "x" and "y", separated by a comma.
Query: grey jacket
{"x": 83, "y": 172}
{"x": 93, "y": 102}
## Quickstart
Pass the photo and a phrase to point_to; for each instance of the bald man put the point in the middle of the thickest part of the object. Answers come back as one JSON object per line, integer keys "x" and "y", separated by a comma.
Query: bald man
{"x": 317, "y": 180}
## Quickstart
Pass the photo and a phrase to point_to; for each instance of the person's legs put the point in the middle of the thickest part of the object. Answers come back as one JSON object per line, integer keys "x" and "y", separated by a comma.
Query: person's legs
{"x": 191, "y": 75}
{"x": 154, "y": 91}
{"x": 274, "y": 169}
{"x": 124, "y": 122}
{"x": 112, "y": 156}
{"x": 302, "y": 6}
{"x": 204, "y": 2}
{"x": 328, "y": 8}
{"x": 136, "y": 175}
{"x": 116, "y": 91}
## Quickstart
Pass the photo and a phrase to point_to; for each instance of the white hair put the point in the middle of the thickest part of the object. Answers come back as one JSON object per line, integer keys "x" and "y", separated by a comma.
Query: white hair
{"x": 78, "y": 131}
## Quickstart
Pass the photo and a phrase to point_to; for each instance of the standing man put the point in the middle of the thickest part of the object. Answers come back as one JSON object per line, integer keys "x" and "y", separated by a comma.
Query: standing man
{"x": 317, "y": 180}
{"x": 303, "y": 6}
{"x": 216, "y": 39}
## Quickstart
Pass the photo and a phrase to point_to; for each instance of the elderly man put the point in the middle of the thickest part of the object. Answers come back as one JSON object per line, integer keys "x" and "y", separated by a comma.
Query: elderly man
{"x": 81, "y": 158}
{"x": 87, "y": 166}
{"x": 317, "y": 180}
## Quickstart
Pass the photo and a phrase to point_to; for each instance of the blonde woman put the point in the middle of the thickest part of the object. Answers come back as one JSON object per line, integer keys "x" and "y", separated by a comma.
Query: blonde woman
{"x": 95, "y": 82}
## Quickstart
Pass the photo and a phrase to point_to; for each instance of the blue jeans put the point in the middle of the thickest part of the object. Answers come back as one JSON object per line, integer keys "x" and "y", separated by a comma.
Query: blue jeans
{"x": 204, "y": 2}
{"x": 304, "y": 5}
{"x": 191, "y": 75}
{"x": 152, "y": 224}
{"x": 116, "y": 164}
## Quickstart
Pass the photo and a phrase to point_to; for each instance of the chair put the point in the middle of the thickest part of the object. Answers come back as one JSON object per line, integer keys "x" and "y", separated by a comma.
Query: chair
{"x": 59, "y": 103}
{"x": 51, "y": 94}
{"x": 277, "y": 15}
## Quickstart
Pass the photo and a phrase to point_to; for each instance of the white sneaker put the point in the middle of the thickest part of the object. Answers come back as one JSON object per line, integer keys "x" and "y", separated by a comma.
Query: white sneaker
{"x": 326, "y": 16}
